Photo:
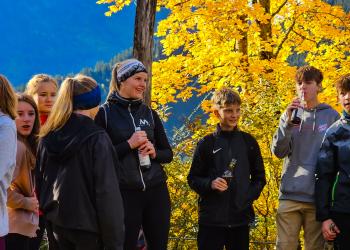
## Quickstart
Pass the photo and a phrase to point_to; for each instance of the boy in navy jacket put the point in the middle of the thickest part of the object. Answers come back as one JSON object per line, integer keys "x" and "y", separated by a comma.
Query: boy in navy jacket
{"x": 228, "y": 174}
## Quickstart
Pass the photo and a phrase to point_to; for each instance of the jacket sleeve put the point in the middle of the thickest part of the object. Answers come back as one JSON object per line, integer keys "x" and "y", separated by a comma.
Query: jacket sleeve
{"x": 14, "y": 197}
{"x": 109, "y": 205}
{"x": 164, "y": 153}
{"x": 325, "y": 175}
{"x": 39, "y": 169}
{"x": 198, "y": 178}
{"x": 257, "y": 171}
{"x": 281, "y": 141}
{"x": 7, "y": 155}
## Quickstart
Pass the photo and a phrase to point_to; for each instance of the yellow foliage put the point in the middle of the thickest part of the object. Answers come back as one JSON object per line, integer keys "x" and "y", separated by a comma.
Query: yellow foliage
{"x": 203, "y": 41}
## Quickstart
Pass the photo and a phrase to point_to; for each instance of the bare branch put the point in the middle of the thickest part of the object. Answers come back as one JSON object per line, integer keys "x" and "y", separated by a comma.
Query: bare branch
{"x": 284, "y": 39}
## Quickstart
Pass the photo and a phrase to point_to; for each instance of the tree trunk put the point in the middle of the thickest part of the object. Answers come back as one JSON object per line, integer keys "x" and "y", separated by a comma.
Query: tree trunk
{"x": 143, "y": 38}
{"x": 265, "y": 31}
{"x": 242, "y": 47}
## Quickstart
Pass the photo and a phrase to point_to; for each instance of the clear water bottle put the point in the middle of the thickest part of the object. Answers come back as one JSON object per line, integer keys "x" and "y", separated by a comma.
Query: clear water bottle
{"x": 145, "y": 161}
{"x": 297, "y": 114}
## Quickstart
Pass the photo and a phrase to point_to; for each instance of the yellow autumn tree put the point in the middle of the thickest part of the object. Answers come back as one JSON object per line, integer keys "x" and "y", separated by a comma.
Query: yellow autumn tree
{"x": 254, "y": 47}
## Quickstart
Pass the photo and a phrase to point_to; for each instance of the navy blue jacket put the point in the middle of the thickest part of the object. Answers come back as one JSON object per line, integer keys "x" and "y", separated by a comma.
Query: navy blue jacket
{"x": 232, "y": 207}
{"x": 120, "y": 117}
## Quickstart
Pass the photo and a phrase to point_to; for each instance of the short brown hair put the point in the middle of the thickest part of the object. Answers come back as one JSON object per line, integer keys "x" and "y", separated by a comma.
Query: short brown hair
{"x": 8, "y": 100}
{"x": 343, "y": 83}
{"x": 308, "y": 73}
{"x": 225, "y": 96}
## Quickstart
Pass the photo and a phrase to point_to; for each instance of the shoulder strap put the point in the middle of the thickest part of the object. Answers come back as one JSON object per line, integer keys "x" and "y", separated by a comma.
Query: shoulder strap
{"x": 151, "y": 115}
{"x": 105, "y": 107}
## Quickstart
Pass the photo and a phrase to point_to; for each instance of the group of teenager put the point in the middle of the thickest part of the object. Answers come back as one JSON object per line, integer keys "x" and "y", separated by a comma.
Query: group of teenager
{"x": 92, "y": 176}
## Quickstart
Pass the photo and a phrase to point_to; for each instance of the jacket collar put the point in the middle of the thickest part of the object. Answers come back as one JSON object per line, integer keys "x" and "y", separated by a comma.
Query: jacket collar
{"x": 116, "y": 98}
{"x": 221, "y": 132}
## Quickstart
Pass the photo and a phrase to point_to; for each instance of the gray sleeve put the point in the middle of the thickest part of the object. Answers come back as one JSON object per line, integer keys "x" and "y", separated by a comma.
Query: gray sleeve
{"x": 8, "y": 146}
{"x": 282, "y": 139}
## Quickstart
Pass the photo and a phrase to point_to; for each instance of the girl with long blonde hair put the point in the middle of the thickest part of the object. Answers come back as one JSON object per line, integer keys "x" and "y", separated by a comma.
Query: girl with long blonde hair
{"x": 142, "y": 146}
{"x": 77, "y": 181}
{"x": 43, "y": 88}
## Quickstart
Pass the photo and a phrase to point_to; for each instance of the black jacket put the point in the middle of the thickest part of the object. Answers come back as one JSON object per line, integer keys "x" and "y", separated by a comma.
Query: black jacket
{"x": 120, "y": 117}
{"x": 332, "y": 188}
{"x": 212, "y": 156}
{"x": 77, "y": 181}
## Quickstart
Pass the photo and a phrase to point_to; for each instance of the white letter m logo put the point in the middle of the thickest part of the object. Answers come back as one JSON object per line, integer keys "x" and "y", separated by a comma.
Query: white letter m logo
{"x": 144, "y": 122}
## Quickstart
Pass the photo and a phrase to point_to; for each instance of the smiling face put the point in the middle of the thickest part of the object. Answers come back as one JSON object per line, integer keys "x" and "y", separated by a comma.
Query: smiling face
{"x": 228, "y": 116}
{"x": 45, "y": 96}
{"x": 134, "y": 86}
{"x": 25, "y": 119}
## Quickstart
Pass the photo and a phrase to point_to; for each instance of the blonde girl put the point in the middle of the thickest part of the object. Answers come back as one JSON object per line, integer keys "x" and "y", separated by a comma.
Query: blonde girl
{"x": 77, "y": 181}
{"x": 43, "y": 88}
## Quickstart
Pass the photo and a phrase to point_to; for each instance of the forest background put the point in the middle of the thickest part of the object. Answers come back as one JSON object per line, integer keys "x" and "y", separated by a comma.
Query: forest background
{"x": 252, "y": 46}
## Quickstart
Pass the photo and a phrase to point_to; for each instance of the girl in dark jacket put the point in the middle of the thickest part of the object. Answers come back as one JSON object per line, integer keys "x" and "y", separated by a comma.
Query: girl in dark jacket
{"x": 78, "y": 184}
{"x": 139, "y": 138}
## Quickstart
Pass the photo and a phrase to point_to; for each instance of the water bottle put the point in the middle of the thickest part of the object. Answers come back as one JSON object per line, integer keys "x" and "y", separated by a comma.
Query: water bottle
{"x": 297, "y": 114}
{"x": 145, "y": 161}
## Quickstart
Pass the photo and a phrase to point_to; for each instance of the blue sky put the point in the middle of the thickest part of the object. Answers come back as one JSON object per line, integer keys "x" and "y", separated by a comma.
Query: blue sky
{"x": 59, "y": 37}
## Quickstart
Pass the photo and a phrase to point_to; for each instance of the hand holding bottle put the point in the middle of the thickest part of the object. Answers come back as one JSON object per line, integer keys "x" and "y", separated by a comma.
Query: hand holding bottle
{"x": 295, "y": 110}
{"x": 219, "y": 184}
{"x": 137, "y": 139}
{"x": 144, "y": 148}
{"x": 148, "y": 149}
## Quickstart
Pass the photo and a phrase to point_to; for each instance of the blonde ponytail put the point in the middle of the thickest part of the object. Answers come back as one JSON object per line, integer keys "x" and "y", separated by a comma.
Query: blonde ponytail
{"x": 63, "y": 107}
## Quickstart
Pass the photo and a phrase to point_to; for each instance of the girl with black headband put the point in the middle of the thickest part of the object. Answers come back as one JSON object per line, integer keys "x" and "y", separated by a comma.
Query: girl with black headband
{"x": 137, "y": 132}
{"x": 77, "y": 183}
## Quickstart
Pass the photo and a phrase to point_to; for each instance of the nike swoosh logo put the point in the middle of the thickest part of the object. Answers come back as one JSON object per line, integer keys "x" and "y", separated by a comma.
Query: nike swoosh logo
{"x": 216, "y": 150}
